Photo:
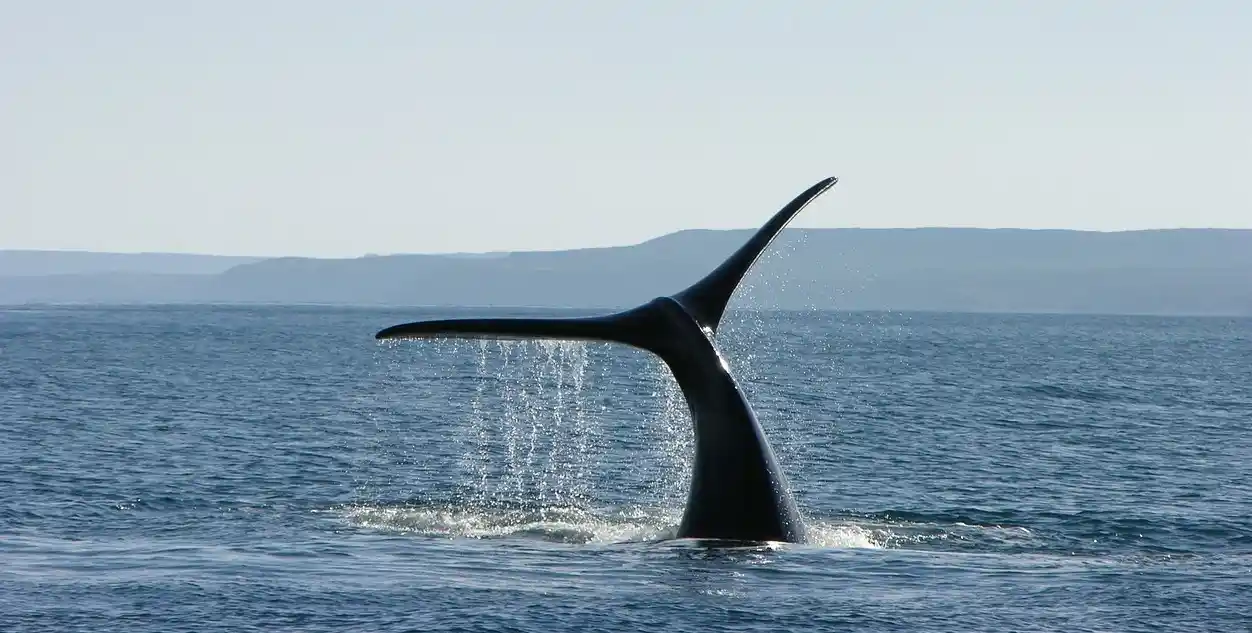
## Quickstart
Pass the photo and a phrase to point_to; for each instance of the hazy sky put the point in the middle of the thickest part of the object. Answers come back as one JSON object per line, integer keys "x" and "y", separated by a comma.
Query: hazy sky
{"x": 341, "y": 128}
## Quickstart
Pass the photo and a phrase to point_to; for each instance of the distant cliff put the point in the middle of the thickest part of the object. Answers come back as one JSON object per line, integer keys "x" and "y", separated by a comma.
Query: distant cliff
{"x": 1186, "y": 271}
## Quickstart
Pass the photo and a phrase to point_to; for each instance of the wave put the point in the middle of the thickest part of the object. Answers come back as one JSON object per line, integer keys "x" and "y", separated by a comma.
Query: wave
{"x": 1079, "y": 394}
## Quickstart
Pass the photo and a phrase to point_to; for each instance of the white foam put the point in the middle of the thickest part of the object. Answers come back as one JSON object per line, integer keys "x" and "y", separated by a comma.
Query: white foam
{"x": 844, "y": 536}
{"x": 554, "y": 523}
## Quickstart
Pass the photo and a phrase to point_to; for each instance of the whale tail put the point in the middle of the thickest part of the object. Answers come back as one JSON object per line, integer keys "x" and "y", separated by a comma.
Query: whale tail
{"x": 704, "y": 302}
{"x": 738, "y": 492}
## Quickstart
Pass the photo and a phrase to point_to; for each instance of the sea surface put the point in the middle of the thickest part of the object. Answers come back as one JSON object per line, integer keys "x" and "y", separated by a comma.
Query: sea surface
{"x": 276, "y": 469}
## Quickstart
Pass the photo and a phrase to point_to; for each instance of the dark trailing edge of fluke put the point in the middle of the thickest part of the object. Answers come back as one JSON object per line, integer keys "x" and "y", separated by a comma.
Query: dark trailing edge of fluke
{"x": 738, "y": 492}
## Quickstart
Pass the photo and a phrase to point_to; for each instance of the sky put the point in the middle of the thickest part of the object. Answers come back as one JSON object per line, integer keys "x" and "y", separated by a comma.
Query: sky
{"x": 335, "y": 129}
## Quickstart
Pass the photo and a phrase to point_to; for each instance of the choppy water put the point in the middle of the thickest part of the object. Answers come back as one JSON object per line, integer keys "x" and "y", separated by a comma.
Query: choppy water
{"x": 233, "y": 469}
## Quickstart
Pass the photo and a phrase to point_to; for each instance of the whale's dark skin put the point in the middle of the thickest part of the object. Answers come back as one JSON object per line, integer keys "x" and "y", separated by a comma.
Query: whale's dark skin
{"x": 738, "y": 492}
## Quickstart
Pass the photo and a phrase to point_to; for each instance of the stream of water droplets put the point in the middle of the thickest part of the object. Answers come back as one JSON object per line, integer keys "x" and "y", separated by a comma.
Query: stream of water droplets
{"x": 540, "y": 422}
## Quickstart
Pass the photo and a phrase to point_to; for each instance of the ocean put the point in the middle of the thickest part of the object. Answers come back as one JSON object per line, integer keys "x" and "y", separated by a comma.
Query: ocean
{"x": 196, "y": 468}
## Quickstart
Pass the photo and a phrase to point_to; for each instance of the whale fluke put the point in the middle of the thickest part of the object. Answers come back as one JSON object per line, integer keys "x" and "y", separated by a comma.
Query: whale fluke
{"x": 706, "y": 299}
{"x": 738, "y": 492}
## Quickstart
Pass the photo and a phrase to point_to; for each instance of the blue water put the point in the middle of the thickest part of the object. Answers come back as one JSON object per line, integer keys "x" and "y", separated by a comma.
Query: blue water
{"x": 237, "y": 469}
